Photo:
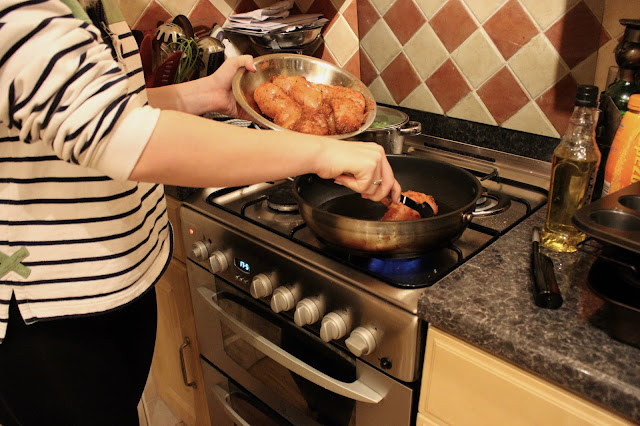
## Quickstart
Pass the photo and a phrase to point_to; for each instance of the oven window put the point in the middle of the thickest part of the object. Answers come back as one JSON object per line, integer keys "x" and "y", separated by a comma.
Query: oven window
{"x": 317, "y": 403}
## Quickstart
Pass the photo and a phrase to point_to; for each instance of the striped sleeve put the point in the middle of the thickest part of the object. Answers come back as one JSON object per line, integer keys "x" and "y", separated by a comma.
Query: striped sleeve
{"x": 61, "y": 86}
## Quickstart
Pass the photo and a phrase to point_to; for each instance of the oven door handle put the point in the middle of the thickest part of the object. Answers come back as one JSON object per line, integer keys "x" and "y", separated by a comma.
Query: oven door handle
{"x": 222, "y": 397}
{"x": 355, "y": 390}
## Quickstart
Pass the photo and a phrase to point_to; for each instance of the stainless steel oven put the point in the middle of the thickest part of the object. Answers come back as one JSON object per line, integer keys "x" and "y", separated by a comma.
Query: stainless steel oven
{"x": 291, "y": 332}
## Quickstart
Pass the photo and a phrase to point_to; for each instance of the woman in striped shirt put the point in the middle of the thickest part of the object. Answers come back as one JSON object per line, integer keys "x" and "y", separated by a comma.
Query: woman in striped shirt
{"x": 84, "y": 235}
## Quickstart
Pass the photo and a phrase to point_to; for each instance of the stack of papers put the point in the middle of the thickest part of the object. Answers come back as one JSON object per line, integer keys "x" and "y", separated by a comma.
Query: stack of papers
{"x": 275, "y": 18}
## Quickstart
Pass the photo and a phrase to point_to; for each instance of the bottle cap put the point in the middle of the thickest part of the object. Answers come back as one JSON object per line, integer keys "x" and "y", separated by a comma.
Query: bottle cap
{"x": 586, "y": 96}
{"x": 634, "y": 102}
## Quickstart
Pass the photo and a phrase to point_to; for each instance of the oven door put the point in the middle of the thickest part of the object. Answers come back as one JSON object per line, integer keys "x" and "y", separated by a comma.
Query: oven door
{"x": 288, "y": 368}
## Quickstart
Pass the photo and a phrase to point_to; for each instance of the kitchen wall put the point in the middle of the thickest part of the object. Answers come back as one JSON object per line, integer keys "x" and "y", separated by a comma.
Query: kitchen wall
{"x": 508, "y": 63}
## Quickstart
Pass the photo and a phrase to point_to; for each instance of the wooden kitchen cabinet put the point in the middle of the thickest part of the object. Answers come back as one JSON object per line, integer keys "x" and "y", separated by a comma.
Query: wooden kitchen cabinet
{"x": 463, "y": 385}
{"x": 176, "y": 368}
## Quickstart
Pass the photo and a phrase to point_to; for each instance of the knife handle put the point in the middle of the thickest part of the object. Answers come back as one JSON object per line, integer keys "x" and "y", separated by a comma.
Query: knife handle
{"x": 546, "y": 292}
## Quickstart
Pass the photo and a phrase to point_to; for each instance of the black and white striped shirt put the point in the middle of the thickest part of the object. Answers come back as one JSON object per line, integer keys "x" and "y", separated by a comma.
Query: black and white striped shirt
{"x": 76, "y": 237}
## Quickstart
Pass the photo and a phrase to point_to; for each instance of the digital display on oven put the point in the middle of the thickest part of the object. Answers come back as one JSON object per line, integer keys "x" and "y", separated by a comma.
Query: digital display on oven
{"x": 242, "y": 265}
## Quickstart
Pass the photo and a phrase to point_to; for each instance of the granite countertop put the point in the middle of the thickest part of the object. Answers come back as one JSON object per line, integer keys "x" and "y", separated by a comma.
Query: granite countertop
{"x": 569, "y": 346}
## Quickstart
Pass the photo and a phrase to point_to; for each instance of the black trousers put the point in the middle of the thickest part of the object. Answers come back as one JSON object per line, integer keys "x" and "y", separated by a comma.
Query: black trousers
{"x": 79, "y": 371}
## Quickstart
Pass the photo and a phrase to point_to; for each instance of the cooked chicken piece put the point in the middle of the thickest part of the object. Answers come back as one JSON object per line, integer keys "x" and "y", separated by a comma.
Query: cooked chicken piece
{"x": 398, "y": 212}
{"x": 301, "y": 90}
{"x": 318, "y": 109}
{"x": 275, "y": 103}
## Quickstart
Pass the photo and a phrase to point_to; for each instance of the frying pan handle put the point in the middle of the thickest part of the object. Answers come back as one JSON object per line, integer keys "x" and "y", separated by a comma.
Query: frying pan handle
{"x": 503, "y": 203}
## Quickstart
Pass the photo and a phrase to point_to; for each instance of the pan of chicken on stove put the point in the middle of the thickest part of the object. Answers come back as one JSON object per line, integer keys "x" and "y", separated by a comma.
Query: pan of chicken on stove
{"x": 304, "y": 94}
{"x": 342, "y": 219}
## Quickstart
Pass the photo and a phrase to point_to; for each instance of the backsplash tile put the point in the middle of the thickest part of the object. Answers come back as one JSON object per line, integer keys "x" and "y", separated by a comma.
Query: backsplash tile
{"x": 508, "y": 63}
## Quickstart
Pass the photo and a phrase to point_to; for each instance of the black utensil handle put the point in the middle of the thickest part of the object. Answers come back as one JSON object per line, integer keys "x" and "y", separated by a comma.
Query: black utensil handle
{"x": 546, "y": 292}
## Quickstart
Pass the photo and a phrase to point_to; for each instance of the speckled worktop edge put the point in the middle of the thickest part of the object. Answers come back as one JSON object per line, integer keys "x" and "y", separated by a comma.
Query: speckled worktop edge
{"x": 488, "y": 302}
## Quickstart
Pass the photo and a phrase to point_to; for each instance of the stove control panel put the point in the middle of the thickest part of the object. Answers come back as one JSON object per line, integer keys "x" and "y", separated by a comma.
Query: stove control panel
{"x": 306, "y": 288}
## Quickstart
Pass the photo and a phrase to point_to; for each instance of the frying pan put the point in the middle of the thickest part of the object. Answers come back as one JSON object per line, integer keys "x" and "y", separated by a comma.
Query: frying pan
{"x": 342, "y": 219}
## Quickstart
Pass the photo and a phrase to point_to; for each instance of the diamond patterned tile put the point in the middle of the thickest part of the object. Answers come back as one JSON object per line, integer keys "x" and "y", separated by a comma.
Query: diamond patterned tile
{"x": 597, "y": 7}
{"x": 177, "y": 7}
{"x": 153, "y": 16}
{"x": 350, "y": 13}
{"x": 453, "y": 24}
{"x": 531, "y": 119}
{"x": 471, "y": 108}
{"x": 502, "y": 95}
{"x": 303, "y": 5}
{"x": 576, "y": 35}
{"x": 557, "y": 103}
{"x": 380, "y": 92}
{"x": 477, "y": 58}
{"x": 404, "y": 18}
{"x": 245, "y": 6}
{"x": 422, "y": 99}
{"x": 368, "y": 71}
{"x": 367, "y": 17}
{"x": 448, "y": 85}
{"x": 381, "y": 45}
{"x": 341, "y": 40}
{"x": 483, "y": 9}
{"x": 226, "y": 7}
{"x": 400, "y": 78}
{"x": 353, "y": 65}
{"x": 585, "y": 72}
{"x": 327, "y": 9}
{"x": 616, "y": 9}
{"x": 206, "y": 14}
{"x": 537, "y": 65}
{"x": 425, "y": 51}
{"x": 132, "y": 11}
{"x": 510, "y": 28}
{"x": 546, "y": 12}
{"x": 430, "y": 7}
{"x": 383, "y": 5}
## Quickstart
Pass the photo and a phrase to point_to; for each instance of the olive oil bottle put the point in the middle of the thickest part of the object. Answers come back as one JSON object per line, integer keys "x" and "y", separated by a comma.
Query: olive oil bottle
{"x": 573, "y": 171}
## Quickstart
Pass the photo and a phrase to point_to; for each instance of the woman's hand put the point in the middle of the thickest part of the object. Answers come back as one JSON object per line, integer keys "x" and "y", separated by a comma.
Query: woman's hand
{"x": 361, "y": 166}
{"x": 220, "y": 86}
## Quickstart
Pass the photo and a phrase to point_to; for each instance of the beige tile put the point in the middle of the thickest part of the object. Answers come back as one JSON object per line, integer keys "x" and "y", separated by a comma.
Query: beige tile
{"x": 341, "y": 5}
{"x": 381, "y": 45}
{"x": 597, "y": 7}
{"x": 226, "y": 7}
{"x": 471, "y": 108}
{"x": 383, "y": 5}
{"x": 615, "y": 10}
{"x": 430, "y": 7}
{"x": 177, "y": 7}
{"x": 530, "y": 119}
{"x": 425, "y": 51}
{"x": 537, "y": 65}
{"x": 585, "y": 71}
{"x": 606, "y": 59}
{"x": 304, "y": 5}
{"x": 422, "y": 99}
{"x": 477, "y": 58}
{"x": 132, "y": 10}
{"x": 380, "y": 92}
{"x": 546, "y": 12}
{"x": 341, "y": 40}
{"x": 482, "y": 10}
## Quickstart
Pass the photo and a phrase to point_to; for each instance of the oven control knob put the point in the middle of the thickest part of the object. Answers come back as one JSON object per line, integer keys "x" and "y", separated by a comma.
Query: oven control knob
{"x": 284, "y": 299}
{"x": 218, "y": 262}
{"x": 200, "y": 250}
{"x": 308, "y": 311}
{"x": 261, "y": 286}
{"x": 361, "y": 341}
{"x": 334, "y": 326}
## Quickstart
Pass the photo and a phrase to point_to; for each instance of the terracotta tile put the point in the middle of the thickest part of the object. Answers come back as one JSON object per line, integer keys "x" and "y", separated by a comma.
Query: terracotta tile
{"x": 368, "y": 71}
{"x": 351, "y": 16}
{"x": 353, "y": 65}
{"x": 557, "y": 102}
{"x": 245, "y": 6}
{"x": 153, "y": 16}
{"x": 502, "y": 95}
{"x": 404, "y": 18}
{"x": 367, "y": 17}
{"x": 206, "y": 14}
{"x": 327, "y": 9}
{"x": 447, "y": 85}
{"x": 576, "y": 35}
{"x": 453, "y": 24}
{"x": 400, "y": 77}
{"x": 324, "y": 53}
{"x": 510, "y": 28}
